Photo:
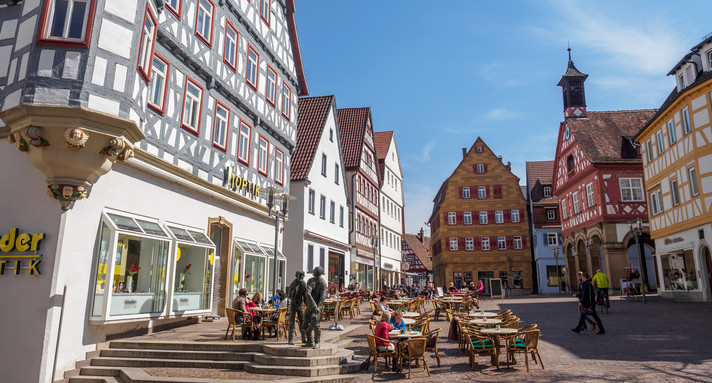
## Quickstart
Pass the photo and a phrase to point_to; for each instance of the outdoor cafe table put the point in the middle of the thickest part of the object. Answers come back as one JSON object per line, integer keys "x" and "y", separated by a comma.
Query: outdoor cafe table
{"x": 486, "y": 321}
{"x": 398, "y": 338}
{"x": 264, "y": 313}
{"x": 482, "y": 314}
{"x": 497, "y": 332}
{"x": 410, "y": 314}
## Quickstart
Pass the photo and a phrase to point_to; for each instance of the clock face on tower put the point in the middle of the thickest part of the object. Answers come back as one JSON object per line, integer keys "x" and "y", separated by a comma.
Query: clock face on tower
{"x": 567, "y": 133}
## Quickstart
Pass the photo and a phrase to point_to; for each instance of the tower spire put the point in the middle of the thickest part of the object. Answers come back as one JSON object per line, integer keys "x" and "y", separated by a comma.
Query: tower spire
{"x": 571, "y": 84}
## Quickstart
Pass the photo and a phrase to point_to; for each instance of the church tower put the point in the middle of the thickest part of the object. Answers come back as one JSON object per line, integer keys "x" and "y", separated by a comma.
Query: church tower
{"x": 571, "y": 84}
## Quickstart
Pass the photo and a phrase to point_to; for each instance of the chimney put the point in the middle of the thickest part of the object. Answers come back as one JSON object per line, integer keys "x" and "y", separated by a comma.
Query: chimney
{"x": 500, "y": 159}
{"x": 464, "y": 152}
{"x": 509, "y": 166}
{"x": 422, "y": 235}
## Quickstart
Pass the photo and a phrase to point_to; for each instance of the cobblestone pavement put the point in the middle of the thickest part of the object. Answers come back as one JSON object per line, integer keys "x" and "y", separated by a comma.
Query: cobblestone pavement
{"x": 661, "y": 341}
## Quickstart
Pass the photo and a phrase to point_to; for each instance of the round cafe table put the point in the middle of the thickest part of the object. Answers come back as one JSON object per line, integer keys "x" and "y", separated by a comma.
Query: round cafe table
{"x": 497, "y": 332}
{"x": 481, "y": 314}
{"x": 486, "y": 321}
{"x": 398, "y": 338}
{"x": 410, "y": 314}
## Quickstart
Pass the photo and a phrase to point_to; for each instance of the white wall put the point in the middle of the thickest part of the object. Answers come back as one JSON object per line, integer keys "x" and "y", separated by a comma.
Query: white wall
{"x": 391, "y": 221}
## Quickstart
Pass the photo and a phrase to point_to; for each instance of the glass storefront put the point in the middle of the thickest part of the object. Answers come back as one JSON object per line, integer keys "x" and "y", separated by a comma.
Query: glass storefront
{"x": 679, "y": 271}
{"x": 363, "y": 275}
{"x": 193, "y": 270}
{"x": 258, "y": 263}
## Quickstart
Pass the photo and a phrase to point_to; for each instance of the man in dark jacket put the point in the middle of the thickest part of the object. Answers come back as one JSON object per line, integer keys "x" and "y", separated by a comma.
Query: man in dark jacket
{"x": 587, "y": 302}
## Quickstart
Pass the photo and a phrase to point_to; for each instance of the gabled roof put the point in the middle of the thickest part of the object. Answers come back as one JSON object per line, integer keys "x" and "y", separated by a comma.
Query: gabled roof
{"x": 421, "y": 250}
{"x": 602, "y": 136}
{"x": 352, "y": 123}
{"x": 312, "y": 112}
{"x": 539, "y": 170}
{"x": 383, "y": 142}
{"x": 303, "y": 88}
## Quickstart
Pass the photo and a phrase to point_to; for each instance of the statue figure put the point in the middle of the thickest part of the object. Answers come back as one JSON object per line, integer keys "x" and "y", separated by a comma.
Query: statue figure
{"x": 295, "y": 295}
{"x": 315, "y": 295}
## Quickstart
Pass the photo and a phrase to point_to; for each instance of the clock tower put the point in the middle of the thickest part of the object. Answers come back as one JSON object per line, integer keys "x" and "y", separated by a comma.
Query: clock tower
{"x": 571, "y": 84}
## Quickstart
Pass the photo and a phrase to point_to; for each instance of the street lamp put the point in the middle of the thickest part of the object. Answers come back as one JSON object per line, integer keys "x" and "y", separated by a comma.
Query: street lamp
{"x": 636, "y": 232}
{"x": 558, "y": 275}
{"x": 376, "y": 260}
{"x": 275, "y": 197}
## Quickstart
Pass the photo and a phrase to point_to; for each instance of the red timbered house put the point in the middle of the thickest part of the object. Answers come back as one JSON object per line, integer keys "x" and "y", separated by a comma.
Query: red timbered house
{"x": 416, "y": 248}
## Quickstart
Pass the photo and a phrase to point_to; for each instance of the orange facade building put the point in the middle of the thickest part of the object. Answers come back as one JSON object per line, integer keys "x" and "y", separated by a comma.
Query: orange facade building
{"x": 479, "y": 225}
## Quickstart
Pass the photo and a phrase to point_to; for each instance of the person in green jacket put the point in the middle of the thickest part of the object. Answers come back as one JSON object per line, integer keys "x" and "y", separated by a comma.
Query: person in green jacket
{"x": 600, "y": 282}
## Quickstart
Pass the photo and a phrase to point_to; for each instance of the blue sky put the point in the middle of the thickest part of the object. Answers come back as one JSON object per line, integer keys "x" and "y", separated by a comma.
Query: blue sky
{"x": 440, "y": 74}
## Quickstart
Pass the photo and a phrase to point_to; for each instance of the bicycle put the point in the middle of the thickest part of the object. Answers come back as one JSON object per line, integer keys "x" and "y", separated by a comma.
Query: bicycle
{"x": 602, "y": 300}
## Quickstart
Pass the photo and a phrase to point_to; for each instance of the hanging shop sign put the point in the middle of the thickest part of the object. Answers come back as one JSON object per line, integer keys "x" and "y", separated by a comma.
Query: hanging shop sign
{"x": 235, "y": 182}
{"x": 19, "y": 250}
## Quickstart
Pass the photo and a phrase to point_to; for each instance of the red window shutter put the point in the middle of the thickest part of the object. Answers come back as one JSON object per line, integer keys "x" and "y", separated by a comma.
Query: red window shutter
{"x": 490, "y": 216}
{"x": 475, "y": 218}
{"x": 524, "y": 242}
{"x": 445, "y": 222}
{"x": 509, "y": 242}
{"x": 461, "y": 243}
{"x": 459, "y": 218}
{"x": 487, "y": 188}
{"x": 476, "y": 243}
{"x": 596, "y": 192}
{"x": 493, "y": 243}
{"x": 507, "y": 215}
{"x": 485, "y": 168}
{"x": 461, "y": 192}
{"x": 474, "y": 168}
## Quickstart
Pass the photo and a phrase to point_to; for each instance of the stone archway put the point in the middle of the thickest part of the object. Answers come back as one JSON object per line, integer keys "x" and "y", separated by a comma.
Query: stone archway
{"x": 570, "y": 262}
{"x": 582, "y": 263}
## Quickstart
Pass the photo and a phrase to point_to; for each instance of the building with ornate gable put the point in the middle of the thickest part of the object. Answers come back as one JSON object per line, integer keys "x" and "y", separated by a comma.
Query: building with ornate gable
{"x": 677, "y": 163}
{"x": 391, "y": 213}
{"x": 479, "y": 226}
{"x": 598, "y": 179}
{"x": 141, "y": 133}
{"x": 416, "y": 250}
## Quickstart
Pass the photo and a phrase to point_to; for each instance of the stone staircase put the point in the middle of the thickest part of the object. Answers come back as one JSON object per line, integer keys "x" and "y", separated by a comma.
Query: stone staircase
{"x": 123, "y": 361}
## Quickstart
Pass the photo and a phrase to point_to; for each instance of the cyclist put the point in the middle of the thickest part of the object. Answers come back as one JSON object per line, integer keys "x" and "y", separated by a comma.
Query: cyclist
{"x": 600, "y": 281}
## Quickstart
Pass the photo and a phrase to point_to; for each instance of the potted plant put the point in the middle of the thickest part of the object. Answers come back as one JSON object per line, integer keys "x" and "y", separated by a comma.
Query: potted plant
{"x": 133, "y": 271}
{"x": 183, "y": 273}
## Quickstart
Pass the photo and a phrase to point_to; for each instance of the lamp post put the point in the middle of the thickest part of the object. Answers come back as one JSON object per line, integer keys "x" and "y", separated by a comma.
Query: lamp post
{"x": 376, "y": 260}
{"x": 558, "y": 275}
{"x": 274, "y": 196}
{"x": 636, "y": 232}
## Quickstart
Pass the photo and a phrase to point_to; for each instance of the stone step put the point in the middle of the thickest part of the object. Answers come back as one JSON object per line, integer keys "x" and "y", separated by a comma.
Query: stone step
{"x": 100, "y": 371}
{"x": 187, "y": 346}
{"x": 178, "y": 354}
{"x": 341, "y": 356}
{"x": 310, "y": 371}
{"x": 95, "y": 379}
{"x": 183, "y": 363}
{"x": 283, "y": 349}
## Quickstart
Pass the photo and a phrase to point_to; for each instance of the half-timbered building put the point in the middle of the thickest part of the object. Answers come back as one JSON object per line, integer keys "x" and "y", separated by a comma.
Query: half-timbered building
{"x": 677, "y": 162}
{"x": 418, "y": 264}
{"x": 361, "y": 167}
{"x": 479, "y": 226}
{"x": 598, "y": 179}
{"x": 153, "y": 126}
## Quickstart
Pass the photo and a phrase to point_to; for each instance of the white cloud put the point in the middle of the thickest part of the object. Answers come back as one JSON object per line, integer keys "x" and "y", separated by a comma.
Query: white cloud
{"x": 500, "y": 114}
{"x": 425, "y": 153}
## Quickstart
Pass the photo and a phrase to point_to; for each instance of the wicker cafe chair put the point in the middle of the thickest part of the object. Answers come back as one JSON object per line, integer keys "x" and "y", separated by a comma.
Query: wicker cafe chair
{"x": 414, "y": 350}
{"x": 276, "y": 324}
{"x": 357, "y": 305}
{"x": 527, "y": 347}
{"x": 375, "y": 353}
{"x": 346, "y": 307}
{"x": 373, "y": 307}
{"x": 432, "y": 342}
{"x": 328, "y": 310}
{"x": 230, "y": 313}
{"x": 440, "y": 308}
{"x": 479, "y": 343}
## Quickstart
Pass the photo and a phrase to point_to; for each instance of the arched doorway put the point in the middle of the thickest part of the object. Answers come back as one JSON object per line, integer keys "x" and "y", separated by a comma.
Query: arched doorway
{"x": 581, "y": 259}
{"x": 596, "y": 251}
{"x": 707, "y": 260}
{"x": 646, "y": 248}
{"x": 570, "y": 270}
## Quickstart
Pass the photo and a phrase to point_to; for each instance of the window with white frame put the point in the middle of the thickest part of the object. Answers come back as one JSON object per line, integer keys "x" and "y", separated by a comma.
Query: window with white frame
{"x": 671, "y": 132}
{"x": 243, "y": 151}
{"x": 589, "y": 195}
{"x": 514, "y": 215}
{"x": 482, "y": 192}
{"x": 674, "y": 193}
{"x": 480, "y": 168}
{"x": 694, "y": 188}
{"x": 484, "y": 242}
{"x": 550, "y": 214}
{"x": 220, "y": 128}
{"x": 312, "y": 201}
{"x": 332, "y": 212}
{"x": 192, "y": 105}
{"x": 547, "y": 191}
{"x": 174, "y": 6}
{"x": 331, "y": 135}
{"x": 709, "y": 59}
{"x": 501, "y": 243}
{"x": 656, "y": 206}
{"x": 498, "y": 216}
{"x": 204, "y": 21}
{"x": 517, "y": 242}
{"x": 253, "y": 63}
{"x": 231, "y": 44}
{"x": 649, "y": 150}
{"x": 659, "y": 139}
{"x": 467, "y": 217}
{"x": 575, "y": 201}
{"x": 564, "y": 212}
{"x": 451, "y": 218}
{"x": 67, "y": 20}
{"x": 552, "y": 239}
{"x": 148, "y": 39}
{"x": 159, "y": 84}
{"x": 466, "y": 192}
{"x": 337, "y": 174}
{"x": 341, "y": 216}
{"x": 322, "y": 207}
{"x": 278, "y": 166}
{"x": 453, "y": 244}
{"x": 483, "y": 218}
{"x": 271, "y": 94}
{"x": 631, "y": 189}
{"x": 686, "y": 127}
{"x": 323, "y": 164}
{"x": 286, "y": 100}
{"x": 478, "y": 149}
{"x": 263, "y": 156}
{"x": 265, "y": 14}
{"x": 469, "y": 244}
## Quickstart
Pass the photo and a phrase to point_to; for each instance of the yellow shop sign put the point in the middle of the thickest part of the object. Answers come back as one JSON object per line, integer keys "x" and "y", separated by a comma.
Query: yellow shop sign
{"x": 18, "y": 248}
{"x": 234, "y": 182}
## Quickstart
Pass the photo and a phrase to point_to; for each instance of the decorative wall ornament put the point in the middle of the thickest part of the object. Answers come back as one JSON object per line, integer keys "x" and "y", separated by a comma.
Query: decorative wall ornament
{"x": 76, "y": 138}
{"x": 36, "y": 135}
{"x": 125, "y": 155}
{"x": 113, "y": 148}
{"x": 66, "y": 194}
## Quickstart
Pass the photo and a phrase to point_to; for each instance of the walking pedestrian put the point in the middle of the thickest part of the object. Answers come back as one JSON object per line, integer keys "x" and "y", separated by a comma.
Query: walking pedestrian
{"x": 579, "y": 294}
{"x": 587, "y": 303}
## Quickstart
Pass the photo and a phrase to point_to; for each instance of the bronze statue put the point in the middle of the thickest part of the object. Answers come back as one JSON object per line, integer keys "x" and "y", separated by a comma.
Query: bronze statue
{"x": 315, "y": 295}
{"x": 296, "y": 295}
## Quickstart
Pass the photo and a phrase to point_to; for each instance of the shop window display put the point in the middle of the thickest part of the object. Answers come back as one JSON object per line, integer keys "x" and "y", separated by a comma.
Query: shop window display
{"x": 193, "y": 270}
{"x": 679, "y": 271}
{"x": 517, "y": 280}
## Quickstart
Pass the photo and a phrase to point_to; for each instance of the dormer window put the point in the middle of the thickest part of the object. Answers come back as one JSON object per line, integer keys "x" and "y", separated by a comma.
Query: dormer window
{"x": 681, "y": 78}
{"x": 570, "y": 164}
{"x": 547, "y": 191}
{"x": 709, "y": 59}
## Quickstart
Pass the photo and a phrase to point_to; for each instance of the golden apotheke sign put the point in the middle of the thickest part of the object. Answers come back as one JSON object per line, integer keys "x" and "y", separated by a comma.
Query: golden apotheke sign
{"x": 18, "y": 248}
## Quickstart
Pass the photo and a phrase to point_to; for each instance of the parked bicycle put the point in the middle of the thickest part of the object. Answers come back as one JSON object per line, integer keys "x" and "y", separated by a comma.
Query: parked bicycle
{"x": 602, "y": 300}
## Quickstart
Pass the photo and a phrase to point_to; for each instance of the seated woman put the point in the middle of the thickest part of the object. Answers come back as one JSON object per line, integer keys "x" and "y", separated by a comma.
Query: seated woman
{"x": 452, "y": 288}
{"x": 331, "y": 293}
{"x": 257, "y": 299}
{"x": 397, "y": 322}
{"x": 243, "y": 304}
{"x": 381, "y": 331}
{"x": 382, "y": 306}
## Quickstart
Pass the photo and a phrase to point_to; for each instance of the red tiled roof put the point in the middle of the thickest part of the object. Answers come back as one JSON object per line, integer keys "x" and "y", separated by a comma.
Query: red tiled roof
{"x": 602, "y": 136}
{"x": 352, "y": 124}
{"x": 539, "y": 170}
{"x": 421, "y": 250}
{"x": 312, "y": 112}
{"x": 383, "y": 141}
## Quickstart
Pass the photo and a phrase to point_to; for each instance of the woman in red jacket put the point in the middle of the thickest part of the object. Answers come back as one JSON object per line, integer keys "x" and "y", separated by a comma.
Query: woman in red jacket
{"x": 381, "y": 331}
